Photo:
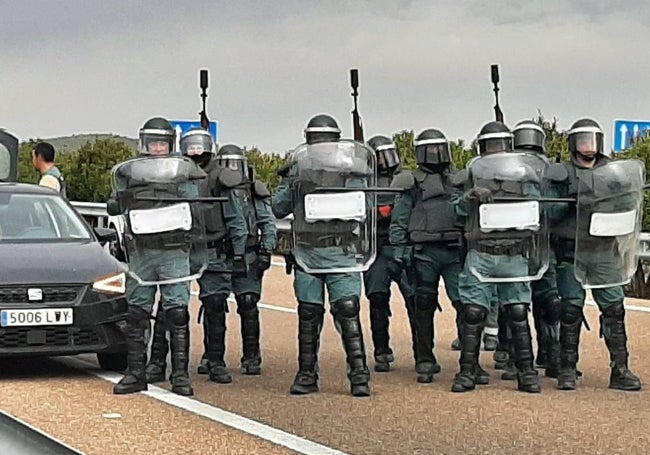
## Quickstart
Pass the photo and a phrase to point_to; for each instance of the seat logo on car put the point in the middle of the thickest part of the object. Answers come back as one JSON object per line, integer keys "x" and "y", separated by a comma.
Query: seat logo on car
{"x": 34, "y": 294}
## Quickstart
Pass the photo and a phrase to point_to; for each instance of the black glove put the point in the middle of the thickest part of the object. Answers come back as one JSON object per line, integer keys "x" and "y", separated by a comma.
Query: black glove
{"x": 483, "y": 195}
{"x": 239, "y": 265}
{"x": 263, "y": 261}
{"x": 283, "y": 171}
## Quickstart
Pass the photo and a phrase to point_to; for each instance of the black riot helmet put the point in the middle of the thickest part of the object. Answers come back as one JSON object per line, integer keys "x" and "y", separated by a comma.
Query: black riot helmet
{"x": 197, "y": 144}
{"x": 432, "y": 150}
{"x": 156, "y": 132}
{"x": 586, "y": 139}
{"x": 322, "y": 128}
{"x": 386, "y": 153}
{"x": 232, "y": 157}
{"x": 529, "y": 135}
{"x": 494, "y": 137}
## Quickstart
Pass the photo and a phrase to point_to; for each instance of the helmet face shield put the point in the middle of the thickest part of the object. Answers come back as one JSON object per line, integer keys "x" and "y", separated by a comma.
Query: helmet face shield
{"x": 432, "y": 151}
{"x": 194, "y": 144}
{"x": 156, "y": 142}
{"x": 530, "y": 136}
{"x": 387, "y": 158}
{"x": 235, "y": 163}
{"x": 586, "y": 142}
{"x": 494, "y": 143}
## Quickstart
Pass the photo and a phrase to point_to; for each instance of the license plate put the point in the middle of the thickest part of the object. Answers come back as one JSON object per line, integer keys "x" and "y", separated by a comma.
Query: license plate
{"x": 36, "y": 317}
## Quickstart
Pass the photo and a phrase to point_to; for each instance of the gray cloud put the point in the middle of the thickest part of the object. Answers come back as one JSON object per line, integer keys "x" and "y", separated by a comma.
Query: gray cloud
{"x": 93, "y": 66}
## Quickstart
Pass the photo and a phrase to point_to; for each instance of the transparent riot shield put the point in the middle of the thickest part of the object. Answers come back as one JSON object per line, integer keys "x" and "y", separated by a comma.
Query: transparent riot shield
{"x": 163, "y": 199}
{"x": 610, "y": 210}
{"x": 508, "y": 239}
{"x": 8, "y": 157}
{"x": 334, "y": 231}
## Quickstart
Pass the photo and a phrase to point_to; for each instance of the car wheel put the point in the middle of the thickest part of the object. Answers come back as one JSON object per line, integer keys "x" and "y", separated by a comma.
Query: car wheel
{"x": 112, "y": 361}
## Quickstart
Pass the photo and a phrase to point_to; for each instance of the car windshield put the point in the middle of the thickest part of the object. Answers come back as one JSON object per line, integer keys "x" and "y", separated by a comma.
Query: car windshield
{"x": 28, "y": 218}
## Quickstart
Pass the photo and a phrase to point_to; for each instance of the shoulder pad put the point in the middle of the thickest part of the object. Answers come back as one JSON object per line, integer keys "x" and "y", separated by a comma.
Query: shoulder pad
{"x": 403, "y": 180}
{"x": 260, "y": 190}
{"x": 556, "y": 172}
{"x": 460, "y": 178}
{"x": 196, "y": 172}
{"x": 230, "y": 179}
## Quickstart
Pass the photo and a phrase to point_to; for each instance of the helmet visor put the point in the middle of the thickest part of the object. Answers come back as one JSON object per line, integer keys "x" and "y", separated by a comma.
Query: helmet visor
{"x": 387, "y": 158}
{"x": 196, "y": 145}
{"x": 156, "y": 142}
{"x": 586, "y": 142}
{"x": 530, "y": 138}
{"x": 433, "y": 153}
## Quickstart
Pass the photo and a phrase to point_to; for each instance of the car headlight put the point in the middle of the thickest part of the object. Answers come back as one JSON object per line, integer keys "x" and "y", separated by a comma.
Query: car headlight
{"x": 111, "y": 284}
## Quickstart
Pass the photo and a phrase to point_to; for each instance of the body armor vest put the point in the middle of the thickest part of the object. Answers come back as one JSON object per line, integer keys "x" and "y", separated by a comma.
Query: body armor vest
{"x": 215, "y": 225}
{"x": 499, "y": 188}
{"x": 433, "y": 218}
{"x": 334, "y": 232}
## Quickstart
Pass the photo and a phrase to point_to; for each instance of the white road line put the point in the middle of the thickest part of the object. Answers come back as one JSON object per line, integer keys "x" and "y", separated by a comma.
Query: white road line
{"x": 241, "y": 423}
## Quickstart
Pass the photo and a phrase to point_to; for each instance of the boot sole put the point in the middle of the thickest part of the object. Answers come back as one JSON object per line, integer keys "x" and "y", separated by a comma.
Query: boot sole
{"x": 129, "y": 391}
{"x": 634, "y": 388}
{"x": 457, "y": 388}
{"x": 252, "y": 371}
{"x": 567, "y": 386}
{"x": 303, "y": 390}
{"x": 530, "y": 390}
{"x": 203, "y": 370}
{"x": 482, "y": 380}
{"x": 154, "y": 379}
{"x": 221, "y": 379}
{"x": 382, "y": 367}
{"x": 361, "y": 391}
{"x": 182, "y": 391}
{"x": 423, "y": 378}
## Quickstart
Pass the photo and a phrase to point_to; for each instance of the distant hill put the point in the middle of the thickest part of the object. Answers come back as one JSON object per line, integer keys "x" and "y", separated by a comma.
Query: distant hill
{"x": 71, "y": 143}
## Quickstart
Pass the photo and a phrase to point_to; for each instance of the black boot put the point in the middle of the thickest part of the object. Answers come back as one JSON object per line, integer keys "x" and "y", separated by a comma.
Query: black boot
{"x": 612, "y": 323}
{"x": 458, "y": 306}
{"x": 502, "y": 353}
{"x": 473, "y": 323}
{"x": 410, "y": 311}
{"x": 157, "y": 365}
{"x": 204, "y": 365}
{"x": 551, "y": 328}
{"x": 310, "y": 324}
{"x": 348, "y": 324}
{"x": 251, "y": 361}
{"x": 379, "y": 323}
{"x": 134, "y": 380}
{"x": 179, "y": 333}
{"x": 215, "y": 309}
{"x": 426, "y": 364}
{"x": 527, "y": 376}
{"x": 570, "y": 325}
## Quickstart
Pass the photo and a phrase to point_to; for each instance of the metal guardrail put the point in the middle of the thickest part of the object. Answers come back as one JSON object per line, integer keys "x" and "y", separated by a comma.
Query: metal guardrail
{"x": 98, "y": 210}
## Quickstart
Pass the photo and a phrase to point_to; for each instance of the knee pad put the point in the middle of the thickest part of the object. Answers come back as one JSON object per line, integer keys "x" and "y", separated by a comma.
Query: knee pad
{"x": 310, "y": 311}
{"x": 426, "y": 302}
{"x": 474, "y": 314}
{"x": 217, "y": 303}
{"x": 346, "y": 308}
{"x": 178, "y": 316}
{"x": 247, "y": 302}
{"x": 553, "y": 311}
{"x": 380, "y": 301}
{"x": 138, "y": 317}
{"x": 517, "y": 312}
{"x": 571, "y": 314}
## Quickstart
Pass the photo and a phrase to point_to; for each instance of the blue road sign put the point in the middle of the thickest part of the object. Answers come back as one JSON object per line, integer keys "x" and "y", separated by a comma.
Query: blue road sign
{"x": 626, "y": 132}
{"x": 183, "y": 125}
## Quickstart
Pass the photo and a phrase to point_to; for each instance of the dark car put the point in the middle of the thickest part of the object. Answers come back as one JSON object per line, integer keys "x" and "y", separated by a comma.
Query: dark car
{"x": 61, "y": 292}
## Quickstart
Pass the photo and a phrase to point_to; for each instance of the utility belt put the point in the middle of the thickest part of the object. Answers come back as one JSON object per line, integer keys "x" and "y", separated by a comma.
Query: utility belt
{"x": 167, "y": 242}
{"x": 523, "y": 248}
{"x": 333, "y": 240}
{"x": 448, "y": 238}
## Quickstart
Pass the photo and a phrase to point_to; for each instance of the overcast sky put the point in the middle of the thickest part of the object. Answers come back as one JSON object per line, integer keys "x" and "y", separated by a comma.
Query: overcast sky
{"x": 80, "y": 66}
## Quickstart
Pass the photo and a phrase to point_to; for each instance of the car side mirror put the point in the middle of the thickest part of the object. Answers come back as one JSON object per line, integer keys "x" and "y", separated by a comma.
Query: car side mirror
{"x": 105, "y": 235}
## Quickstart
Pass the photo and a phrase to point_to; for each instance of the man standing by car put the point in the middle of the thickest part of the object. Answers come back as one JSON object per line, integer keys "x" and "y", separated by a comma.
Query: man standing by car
{"x": 43, "y": 159}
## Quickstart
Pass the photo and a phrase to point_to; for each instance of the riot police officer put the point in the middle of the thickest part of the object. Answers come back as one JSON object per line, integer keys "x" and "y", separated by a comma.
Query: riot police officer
{"x": 424, "y": 231}
{"x": 501, "y": 255}
{"x": 530, "y": 136}
{"x": 226, "y": 232}
{"x": 385, "y": 269}
{"x": 247, "y": 287}
{"x": 588, "y": 173}
{"x": 325, "y": 245}
{"x": 158, "y": 252}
